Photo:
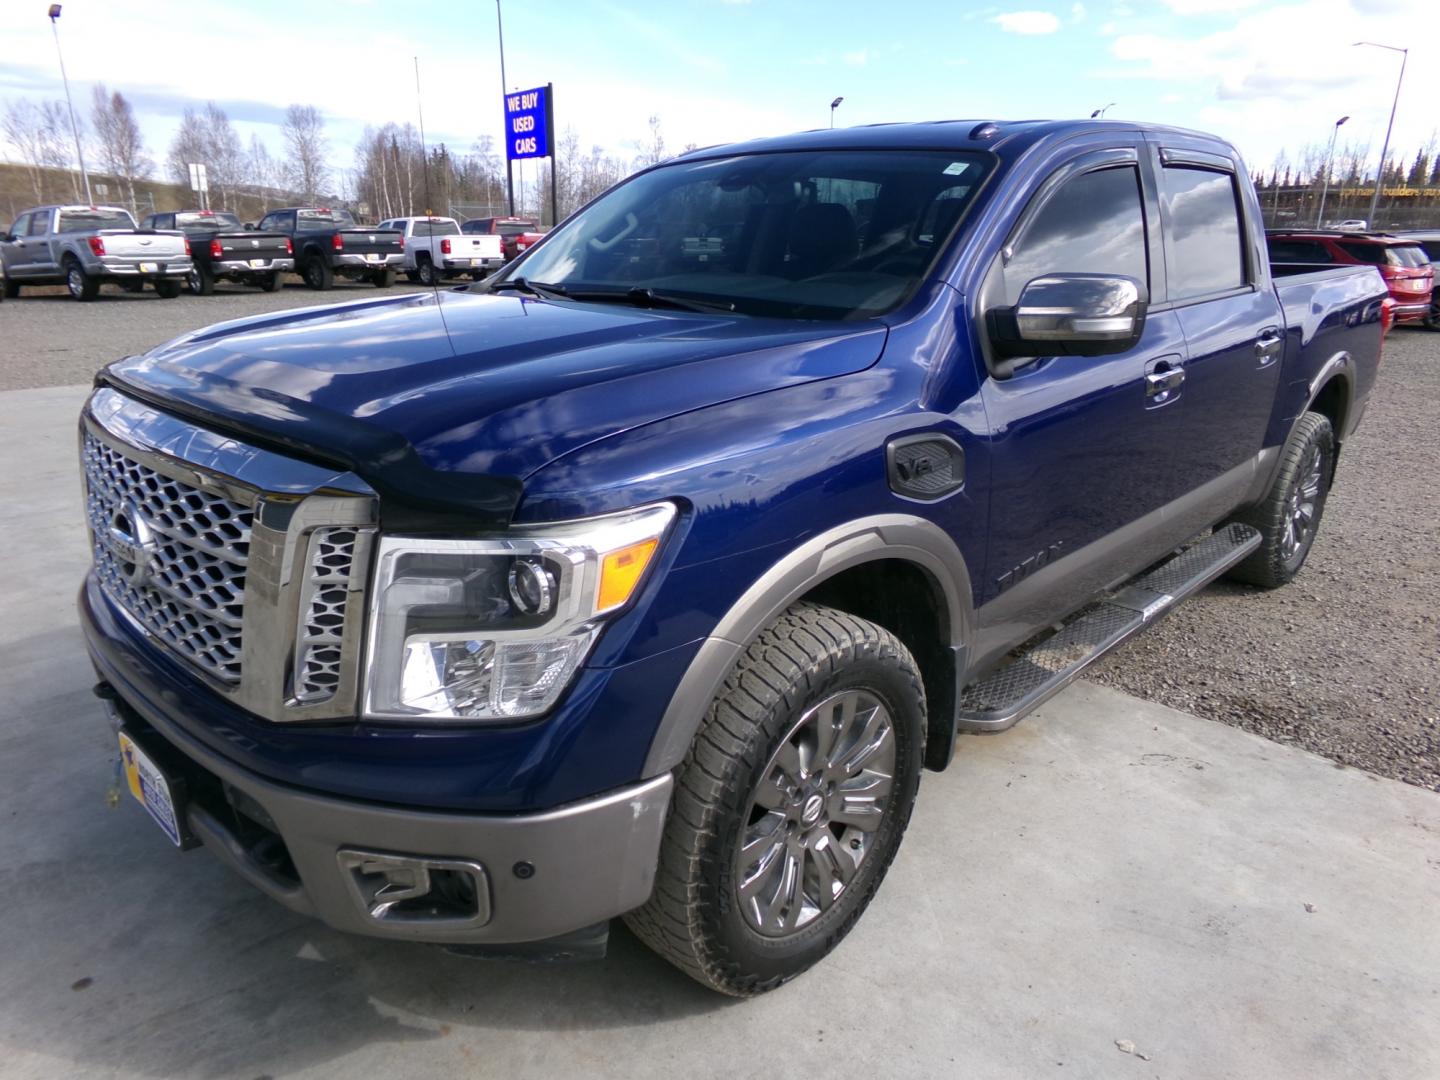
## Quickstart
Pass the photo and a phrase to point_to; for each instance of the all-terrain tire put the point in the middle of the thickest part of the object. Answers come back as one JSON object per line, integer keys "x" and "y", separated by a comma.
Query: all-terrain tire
{"x": 168, "y": 288}
{"x": 270, "y": 282}
{"x": 694, "y": 918}
{"x": 1277, "y": 560}
{"x": 383, "y": 279}
{"x": 317, "y": 272}
{"x": 200, "y": 281}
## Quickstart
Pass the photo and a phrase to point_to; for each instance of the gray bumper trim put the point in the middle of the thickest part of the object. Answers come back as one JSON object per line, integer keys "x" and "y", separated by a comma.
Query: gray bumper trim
{"x": 242, "y": 266}
{"x": 591, "y": 860}
{"x": 359, "y": 262}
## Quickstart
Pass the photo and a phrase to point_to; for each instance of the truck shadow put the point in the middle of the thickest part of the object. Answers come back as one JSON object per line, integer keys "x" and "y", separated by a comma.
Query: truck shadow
{"x": 122, "y": 956}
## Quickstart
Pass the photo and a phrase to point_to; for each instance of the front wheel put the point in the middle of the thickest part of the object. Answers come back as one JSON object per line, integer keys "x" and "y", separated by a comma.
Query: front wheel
{"x": 271, "y": 281}
{"x": 790, "y": 804}
{"x": 168, "y": 288}
{"x": 1288, "y": 517}
{"x": 383, "y": 279}
{"x": 11, "y": 289}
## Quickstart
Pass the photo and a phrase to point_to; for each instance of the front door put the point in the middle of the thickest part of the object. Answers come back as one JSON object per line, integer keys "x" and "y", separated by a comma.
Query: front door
{"x": 1081, "y": 445}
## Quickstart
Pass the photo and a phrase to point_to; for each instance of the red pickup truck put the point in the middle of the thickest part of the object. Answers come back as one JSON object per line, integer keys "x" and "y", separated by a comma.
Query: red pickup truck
{"x": 516, "y": 233}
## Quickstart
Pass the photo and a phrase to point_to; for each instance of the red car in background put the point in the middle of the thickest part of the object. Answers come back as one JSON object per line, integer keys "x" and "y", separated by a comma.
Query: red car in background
{"x": 1402, "y": 262}
{"x": 516, "y": 234}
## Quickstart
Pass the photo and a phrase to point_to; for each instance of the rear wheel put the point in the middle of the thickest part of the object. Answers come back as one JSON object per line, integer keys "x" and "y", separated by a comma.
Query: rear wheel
{"x": 790, "y": 804}
{"x": 412, "y": 276}
{"x": 81, "y": 285}
{"x": 1432, "y": 317}
{"x": 317, "y": 273}
{"x": 383, "y": 279}
{"x": 1289, "y": 515}
{"x": 12, "y": 289}
{"x": 169, "y": 288}
{"x": 425, "y": 269}
{"x": 200, "y": 281}
{"x": 271, "y": 281}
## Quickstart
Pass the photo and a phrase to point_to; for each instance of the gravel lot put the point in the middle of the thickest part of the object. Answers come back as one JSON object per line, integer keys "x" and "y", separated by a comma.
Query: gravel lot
{"x": 1345, "y": 662}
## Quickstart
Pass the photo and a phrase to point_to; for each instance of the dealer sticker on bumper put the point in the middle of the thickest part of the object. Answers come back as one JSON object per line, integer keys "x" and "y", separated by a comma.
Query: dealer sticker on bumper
{"x": 149, "y": 268}
{"x": 148, "y": 785}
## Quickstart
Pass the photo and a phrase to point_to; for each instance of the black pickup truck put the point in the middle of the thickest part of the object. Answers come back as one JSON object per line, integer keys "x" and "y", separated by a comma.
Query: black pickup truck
{"x": 222, "y": 249}
{"x": 328, "y": 243}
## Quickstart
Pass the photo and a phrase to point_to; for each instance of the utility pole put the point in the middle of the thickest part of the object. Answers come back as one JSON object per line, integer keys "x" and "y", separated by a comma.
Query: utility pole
{"x": 1325, "y": 187}
{"x": 74, "y": 126}
{"x": 504, "y": 89}
{"x": 1385, "y": 149}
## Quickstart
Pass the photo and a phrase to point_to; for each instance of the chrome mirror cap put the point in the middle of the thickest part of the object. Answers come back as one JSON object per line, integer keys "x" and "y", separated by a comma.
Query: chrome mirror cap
{"x": 1071, "y": 314}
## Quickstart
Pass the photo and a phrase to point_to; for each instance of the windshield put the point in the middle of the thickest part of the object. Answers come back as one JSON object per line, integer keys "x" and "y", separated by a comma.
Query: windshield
{"x": 218, "y": 220}
{"x": 316, "y": 219}
{"x": 833, "y": 234}
{"x": 438, "y": 227}
{"x": 90, "y": 220}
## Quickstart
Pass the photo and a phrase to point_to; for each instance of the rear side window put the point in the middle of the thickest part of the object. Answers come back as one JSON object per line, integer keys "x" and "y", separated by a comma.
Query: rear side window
{"x": 1206, "y": 252}
{"x": 1094, "y": 224}
{"x": 1374, "y": 254}
{"x": 1299, "y": 251}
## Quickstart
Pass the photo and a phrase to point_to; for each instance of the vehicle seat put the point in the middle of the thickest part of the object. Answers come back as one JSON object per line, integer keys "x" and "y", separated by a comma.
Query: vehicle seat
{"x": 822, "y": 237}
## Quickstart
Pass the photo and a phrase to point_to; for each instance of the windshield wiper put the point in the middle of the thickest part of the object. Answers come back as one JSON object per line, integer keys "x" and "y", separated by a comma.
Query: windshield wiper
{"x": 643, "y": 296}
{"x": 534, "y": 288}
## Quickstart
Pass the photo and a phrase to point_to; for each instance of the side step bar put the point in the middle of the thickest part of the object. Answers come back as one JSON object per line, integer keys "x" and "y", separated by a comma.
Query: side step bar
{"x": 1037, "y": 671}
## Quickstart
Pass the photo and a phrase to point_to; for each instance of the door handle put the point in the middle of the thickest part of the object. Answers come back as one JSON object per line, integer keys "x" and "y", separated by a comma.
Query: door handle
{"x": 1159, "y": 383}
{"x": 1269, "y": 345}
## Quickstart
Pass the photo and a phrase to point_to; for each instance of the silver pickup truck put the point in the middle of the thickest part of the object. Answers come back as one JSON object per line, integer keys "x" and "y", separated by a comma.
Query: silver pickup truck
{"x": 84, "y": 247}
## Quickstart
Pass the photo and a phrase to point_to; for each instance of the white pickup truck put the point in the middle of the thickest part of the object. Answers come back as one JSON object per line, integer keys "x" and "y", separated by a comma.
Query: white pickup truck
{"x": 83, "y": 247}
{"x": 435, "y": 248}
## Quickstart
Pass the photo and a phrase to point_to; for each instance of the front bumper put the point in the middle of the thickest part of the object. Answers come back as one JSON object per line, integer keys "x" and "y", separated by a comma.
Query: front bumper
{"x": 342, "y": 261}
{"x": 247, "y": 266}
{"x": 543, "y": 875}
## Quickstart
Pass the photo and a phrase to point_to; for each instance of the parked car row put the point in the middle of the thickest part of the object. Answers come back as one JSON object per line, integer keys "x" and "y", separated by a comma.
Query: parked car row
{"x": 84, "y": 247}
{"x": 1403, "y": 261}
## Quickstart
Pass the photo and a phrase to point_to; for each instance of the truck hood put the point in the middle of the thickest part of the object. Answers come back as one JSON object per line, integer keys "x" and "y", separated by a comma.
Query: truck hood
{"x": 447, "y": 415}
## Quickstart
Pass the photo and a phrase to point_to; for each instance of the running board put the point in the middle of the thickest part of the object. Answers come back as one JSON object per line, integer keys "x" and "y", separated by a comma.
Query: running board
{"x": 1037, "y": 671}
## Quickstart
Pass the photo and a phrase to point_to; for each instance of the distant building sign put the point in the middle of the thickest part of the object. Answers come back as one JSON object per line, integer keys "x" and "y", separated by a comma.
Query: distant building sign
{"x": 528, "y": 115}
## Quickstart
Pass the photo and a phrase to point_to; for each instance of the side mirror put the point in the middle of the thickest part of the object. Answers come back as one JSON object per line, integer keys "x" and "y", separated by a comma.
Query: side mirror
{"x": 7, "y": 238}
{"x": 1072, "y": 315}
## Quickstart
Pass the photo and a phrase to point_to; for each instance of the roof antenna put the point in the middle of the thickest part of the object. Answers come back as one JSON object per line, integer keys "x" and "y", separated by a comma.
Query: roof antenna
{"x": 429, "y": 206}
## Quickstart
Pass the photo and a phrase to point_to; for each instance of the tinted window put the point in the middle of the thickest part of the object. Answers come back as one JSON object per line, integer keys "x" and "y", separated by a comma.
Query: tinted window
{"x": 40, "y": 223}
{"x": 89, "y": 220}
{"x": 434, "y": 228}
{"x": 1374, "y": 254}
{"x": 319, "y": 219}
{"x": 1205, "y": 238}
{"x": 1095, "y": 224}
{"x": 1298, "y": 251}
{"x": 1411, "y": 255}
{"x": 21, "y": 226}
{"x": 206, "y": 221}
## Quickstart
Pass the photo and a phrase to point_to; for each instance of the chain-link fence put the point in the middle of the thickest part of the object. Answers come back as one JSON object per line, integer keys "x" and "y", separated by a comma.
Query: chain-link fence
{"x": 1398, "y": 209}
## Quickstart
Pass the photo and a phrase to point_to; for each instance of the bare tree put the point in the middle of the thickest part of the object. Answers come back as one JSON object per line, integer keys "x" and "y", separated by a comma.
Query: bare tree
{"x": 122, "y": 150}
{"x": 652, "y": 147}
{"x": 261, "y": 171}
{"x": 305, "y": 145}
{"x": 208, "y": 138}
{"x": 26, "y": 132}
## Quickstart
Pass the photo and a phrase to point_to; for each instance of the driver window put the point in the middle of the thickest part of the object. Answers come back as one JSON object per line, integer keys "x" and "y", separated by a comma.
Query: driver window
{"x": 1094, "y": 224}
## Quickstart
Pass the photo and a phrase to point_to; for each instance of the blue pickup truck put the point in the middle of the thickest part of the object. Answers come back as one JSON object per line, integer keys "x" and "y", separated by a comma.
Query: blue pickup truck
{"x": 647, "y": 577}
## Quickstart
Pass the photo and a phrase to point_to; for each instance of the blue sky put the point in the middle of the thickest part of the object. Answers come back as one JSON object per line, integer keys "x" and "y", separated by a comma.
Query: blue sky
{"x": 1266, "y": 73}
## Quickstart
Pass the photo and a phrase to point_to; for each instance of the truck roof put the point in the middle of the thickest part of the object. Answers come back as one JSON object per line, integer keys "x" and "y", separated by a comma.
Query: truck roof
{"x": 976, "y": 134}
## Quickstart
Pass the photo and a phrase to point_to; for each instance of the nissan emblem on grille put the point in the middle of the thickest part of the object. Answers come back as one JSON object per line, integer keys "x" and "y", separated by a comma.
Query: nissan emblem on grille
{"x": 171, "y": 556}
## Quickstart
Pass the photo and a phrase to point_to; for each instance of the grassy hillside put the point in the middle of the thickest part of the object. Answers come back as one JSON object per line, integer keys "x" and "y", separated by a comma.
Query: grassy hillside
{"x": 17, "y": 193}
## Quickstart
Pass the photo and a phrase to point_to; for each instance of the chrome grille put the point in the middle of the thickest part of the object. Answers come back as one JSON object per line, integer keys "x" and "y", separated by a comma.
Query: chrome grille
{"x": 318, "y": 650}
{"x": 171, "y": 555}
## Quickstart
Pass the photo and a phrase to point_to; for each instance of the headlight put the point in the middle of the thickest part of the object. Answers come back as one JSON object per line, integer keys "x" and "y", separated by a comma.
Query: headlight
{"x": 469, "y": 630}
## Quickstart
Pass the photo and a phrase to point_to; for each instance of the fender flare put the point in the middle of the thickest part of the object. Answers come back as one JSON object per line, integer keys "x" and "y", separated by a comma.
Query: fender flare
{"x": 903, "y": 537}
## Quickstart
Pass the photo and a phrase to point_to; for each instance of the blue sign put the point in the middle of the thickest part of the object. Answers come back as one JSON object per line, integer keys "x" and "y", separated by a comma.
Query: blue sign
{"x": 528, "y": 123}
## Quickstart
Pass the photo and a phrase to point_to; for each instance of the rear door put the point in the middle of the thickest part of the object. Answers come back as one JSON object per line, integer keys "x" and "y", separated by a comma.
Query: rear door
{"x": 1220, "y": 290}
{"x": 28, "y": 254}
{"x": 1079, "y": 465}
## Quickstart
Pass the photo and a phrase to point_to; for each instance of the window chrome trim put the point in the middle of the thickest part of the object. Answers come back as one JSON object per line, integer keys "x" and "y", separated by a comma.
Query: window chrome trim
{"x": 291, "y": 500}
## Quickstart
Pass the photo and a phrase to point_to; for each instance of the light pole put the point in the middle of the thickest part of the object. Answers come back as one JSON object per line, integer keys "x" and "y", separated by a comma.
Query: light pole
{"x": 509, "y": 169}
{"x": 1325, "y": 187}
{"x": 1385, "y": 149}
{"x": 74, "y": 127}
{"x": 833, "y": 106}
{"x": 1100, "y": 113}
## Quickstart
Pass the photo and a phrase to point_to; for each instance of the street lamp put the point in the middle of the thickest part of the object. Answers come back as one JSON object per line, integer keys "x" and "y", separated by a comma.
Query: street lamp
{"x": 1325, "y": 187}
{"x": 74, "y": 127}
{"x": 833, "y": 106}
{"x": 1385, "y": 150}
{"x": 1100, "y": 113}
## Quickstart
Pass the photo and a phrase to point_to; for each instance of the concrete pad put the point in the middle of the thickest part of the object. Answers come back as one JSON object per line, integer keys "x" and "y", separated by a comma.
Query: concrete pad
{"x": 1109, "y": 870}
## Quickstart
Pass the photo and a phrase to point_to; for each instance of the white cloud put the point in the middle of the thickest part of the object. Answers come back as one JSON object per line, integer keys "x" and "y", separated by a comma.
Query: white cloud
{"x": 1027, "y": 22}
{"x": 857, "y": 58}
{"x": 1208, "y": 7}
{"x": 1077, "y": 12}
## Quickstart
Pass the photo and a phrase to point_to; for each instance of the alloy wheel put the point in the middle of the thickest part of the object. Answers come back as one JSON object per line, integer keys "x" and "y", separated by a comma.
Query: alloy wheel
{"x": 815, "y": 813}
{"x": 1301, "y": 505}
